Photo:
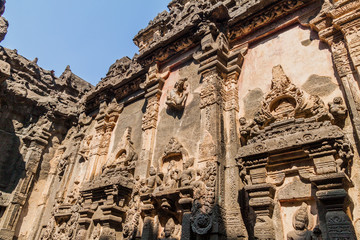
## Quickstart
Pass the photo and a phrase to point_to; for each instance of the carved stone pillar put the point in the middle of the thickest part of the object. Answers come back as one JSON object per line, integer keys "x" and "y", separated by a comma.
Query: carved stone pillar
{"x": 106, "y": 121}
{"x": 153, "y": 85}
{"x": 186, "y": 202}
{"x": 338, "y": 27}
{"x": 210, "y": 146}
{"x": 331, "y": 194}
{"x": 349, "y": 24}
{"x": 343, "y": 65}
{"x": 211, "y": 149}
{"x": 235, "y": 227}
{"x": 148, "y": 210}
{"x": 37, "y": 144}
{"x": 66, "y": 177}
{"x": 149, "y": 130}
{"x": 220, "y": 69}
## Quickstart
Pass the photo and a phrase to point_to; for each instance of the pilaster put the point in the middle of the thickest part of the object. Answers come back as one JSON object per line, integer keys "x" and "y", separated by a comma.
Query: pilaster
{"x": 331, "y": 193}
{"x": 153, "y": 86}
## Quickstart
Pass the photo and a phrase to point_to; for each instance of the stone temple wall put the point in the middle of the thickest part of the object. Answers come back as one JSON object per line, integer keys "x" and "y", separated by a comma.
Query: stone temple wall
{"x": 238, "y": 119}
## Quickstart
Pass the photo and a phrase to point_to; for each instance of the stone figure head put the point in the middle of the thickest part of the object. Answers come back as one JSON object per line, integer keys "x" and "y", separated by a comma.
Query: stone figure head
{"x": 122, "y": 155}
{"x": 301, "y": 219}
{"x": 259, "y": 118}
{"x": 189, "y": 163}
{"x": 152, "y": 171}
{"x": 180, "y": 85}
{"x": 315, "y": 99}
{"x": 242, "y": 121}
{"x": 338, "y": 100}
{"x": 171, "y": 165}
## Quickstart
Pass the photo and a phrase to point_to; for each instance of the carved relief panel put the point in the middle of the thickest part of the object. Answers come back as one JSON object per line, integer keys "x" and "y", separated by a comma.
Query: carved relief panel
{"x": 293, "y": 141}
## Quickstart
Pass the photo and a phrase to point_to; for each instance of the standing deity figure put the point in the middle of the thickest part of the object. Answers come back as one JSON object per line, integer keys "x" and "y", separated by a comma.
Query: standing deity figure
{"x": 245, "y": 130}
{"x": 173, "y": 176}
{"x": 300, "y": 224}
{"x": 188, "y": 174}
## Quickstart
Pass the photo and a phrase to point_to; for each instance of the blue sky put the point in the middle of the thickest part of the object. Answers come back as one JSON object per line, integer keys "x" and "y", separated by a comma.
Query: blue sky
{"x": 88, "y": 35}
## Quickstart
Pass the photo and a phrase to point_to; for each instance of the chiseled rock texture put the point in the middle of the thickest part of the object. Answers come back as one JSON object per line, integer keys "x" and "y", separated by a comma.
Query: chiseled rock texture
{"x": 237, "y": 119}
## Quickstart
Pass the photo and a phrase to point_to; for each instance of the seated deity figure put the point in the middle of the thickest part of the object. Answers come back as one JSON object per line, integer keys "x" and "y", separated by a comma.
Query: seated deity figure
{"x": 188, "y": 174}
{"x": 151, "y": 182}
{"x": 300, "y": 224}
{"x": 318, "y": 109}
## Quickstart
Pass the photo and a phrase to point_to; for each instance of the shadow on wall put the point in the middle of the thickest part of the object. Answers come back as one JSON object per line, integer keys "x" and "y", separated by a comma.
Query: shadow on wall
{"x": 12, "y": 165}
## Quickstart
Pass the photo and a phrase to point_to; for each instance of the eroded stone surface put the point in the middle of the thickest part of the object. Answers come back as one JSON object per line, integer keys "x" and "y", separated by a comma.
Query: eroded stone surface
{"x": 237, "y": 120}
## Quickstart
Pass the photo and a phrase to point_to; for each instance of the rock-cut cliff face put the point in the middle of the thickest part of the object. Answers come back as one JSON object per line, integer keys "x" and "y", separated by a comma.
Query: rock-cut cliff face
{"x": 37, "y": 110}
{"x": 237, "y": 119}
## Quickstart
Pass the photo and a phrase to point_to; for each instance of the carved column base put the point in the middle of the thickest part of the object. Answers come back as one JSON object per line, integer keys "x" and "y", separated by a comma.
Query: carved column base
{"x": 261, "y": 200}
{"x": 186, "y": 203}
{"x": 6, "y": 234}
{"x": 113, "y": 217}
{"x": 148, "y": 230}
{"x": 148, "y": 210}
{"x": 235, "y": 228}
{"x": 331, "y": 194}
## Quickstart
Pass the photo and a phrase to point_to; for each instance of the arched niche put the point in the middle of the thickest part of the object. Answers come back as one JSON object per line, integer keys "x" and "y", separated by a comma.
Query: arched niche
{"x": 171, "y": 163}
